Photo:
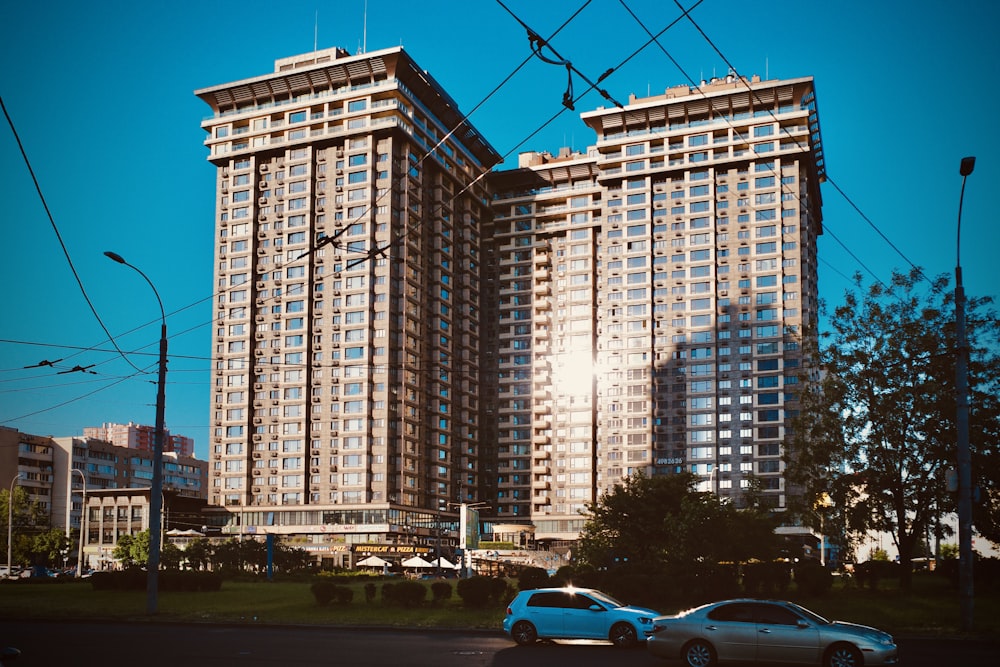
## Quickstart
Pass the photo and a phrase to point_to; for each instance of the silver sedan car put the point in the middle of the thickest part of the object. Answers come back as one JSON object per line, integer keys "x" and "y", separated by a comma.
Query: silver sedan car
{"x": 768, "y": 632}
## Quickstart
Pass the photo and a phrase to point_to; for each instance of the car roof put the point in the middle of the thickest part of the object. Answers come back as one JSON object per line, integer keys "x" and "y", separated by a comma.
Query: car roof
{"x": 559, "y": 589}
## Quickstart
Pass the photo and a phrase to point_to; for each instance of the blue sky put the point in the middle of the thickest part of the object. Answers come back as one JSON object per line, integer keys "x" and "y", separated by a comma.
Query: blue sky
{"x": 102, "y": 96}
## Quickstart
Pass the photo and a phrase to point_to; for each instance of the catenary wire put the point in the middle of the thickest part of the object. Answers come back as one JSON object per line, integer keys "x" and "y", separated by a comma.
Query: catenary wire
{"x": 55, "y": 228}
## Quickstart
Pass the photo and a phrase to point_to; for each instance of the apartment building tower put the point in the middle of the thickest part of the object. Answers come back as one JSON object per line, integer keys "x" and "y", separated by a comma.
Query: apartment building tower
{"x": 346, "y": 381}
{"x": 54, "y": 471}
{"x": 140, "y": 436}
{"x": 652, "y": 293}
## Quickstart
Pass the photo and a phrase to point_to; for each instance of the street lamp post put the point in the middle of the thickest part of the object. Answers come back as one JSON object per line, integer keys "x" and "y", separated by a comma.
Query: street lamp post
{"x": 965, "y": 576}
{"x": 83, "y": 523}
{"x": 155, "y": 494}
{"x": 10, "y": 525}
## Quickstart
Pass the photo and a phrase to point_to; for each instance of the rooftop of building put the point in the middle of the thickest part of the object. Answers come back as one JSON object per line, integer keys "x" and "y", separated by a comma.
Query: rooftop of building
{"x": 328, "y": 69}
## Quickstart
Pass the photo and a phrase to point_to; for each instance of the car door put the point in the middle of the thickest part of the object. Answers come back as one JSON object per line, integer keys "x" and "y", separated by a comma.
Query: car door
{"x": 545, "y": 611}
{"x": 732, "y": 630}
{"x": 784, "y": 636}
{"x": 584, "y": 617}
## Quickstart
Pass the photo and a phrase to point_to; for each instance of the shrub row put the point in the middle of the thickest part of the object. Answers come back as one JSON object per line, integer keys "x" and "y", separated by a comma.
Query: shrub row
{"x": 476, "y": 592}
{"x": 168, "y": 580}
{"x": 688, "y": 584}
{"x": 326, "y": 592}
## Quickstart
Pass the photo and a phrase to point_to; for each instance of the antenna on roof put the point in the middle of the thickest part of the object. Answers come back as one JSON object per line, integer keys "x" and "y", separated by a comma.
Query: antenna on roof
{"x": 364, "y": 42}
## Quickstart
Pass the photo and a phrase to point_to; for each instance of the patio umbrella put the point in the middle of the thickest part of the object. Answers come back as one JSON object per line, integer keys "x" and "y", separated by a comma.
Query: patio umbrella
{"x": 445, "y": 563}
{"x": 416, "y": 561}
{"x": 373, "y": 561}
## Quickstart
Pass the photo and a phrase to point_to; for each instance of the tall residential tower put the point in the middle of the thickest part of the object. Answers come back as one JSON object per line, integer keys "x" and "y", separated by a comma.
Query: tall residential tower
{"x": 346, "y": 386}
{"x": 652, "y": 296}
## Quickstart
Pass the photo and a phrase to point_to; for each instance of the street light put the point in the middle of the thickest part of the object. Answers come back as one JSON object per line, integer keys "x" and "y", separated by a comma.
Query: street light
{"x": 965, "y": 579}
{"x": 155, "y": 493}
{"x": 83, "y": 523}
{"x": 10, "y": 525}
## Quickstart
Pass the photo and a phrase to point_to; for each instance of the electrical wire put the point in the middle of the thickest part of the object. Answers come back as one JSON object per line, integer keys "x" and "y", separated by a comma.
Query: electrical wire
{"x": 801, "y": 147}
{"x": 739, "y": 135}
{"x": 55, "y": 228}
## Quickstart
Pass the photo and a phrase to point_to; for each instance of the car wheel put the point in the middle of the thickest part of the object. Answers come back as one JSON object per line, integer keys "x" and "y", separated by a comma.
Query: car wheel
{"x": 843, "y": 655}
{"x": 623, "y": 635}
{"x": 524, "y": 633}
{"x": 698, "y": 653}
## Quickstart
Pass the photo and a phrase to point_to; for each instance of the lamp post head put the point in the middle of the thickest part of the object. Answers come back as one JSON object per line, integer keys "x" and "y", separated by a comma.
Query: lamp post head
{"x": 121, "y": 260}
{"x": 968, "y": 164}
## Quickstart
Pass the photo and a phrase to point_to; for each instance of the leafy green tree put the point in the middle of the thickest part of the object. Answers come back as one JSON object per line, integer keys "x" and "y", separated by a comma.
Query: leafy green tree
{"x": 48, "y": 547}
{"x": 649, "y": 522}
{"x": 170, "y": 556}
{"x": 876, "y": 428}
{"x": 29, "y": 520}
{"x": 132, "y": 550}
{"x": 289, "y": 559}
{"x": 198, "y": 554}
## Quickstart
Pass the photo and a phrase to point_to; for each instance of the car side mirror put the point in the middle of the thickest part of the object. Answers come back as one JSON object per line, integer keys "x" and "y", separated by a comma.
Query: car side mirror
{"x": 596, "y": 607}
{"x": 802, "y": 625}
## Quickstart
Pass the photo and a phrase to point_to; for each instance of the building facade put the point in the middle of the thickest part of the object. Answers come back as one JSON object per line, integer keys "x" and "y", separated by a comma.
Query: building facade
{"x": 140, "y": 436}
{"x": 56, "y": 471}
{"x": 347, "y": 380}
{"x": 396, "y": 335}
{"x": 652, "y": 296}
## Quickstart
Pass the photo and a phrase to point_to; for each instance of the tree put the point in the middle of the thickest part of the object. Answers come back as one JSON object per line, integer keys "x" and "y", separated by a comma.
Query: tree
{"x": 170, "y": 556}
{"x": 132, "y": 550}
{"x": 876, "y": 428}
{"x": 198, "y": 554}
{"x": 30, "y": 520}
{"x": 49, "y": 547}
{"x": 655, "y": 521}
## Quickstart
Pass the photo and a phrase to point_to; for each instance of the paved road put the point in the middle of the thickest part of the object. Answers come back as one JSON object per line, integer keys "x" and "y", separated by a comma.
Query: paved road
{"x": 168, "y": 645}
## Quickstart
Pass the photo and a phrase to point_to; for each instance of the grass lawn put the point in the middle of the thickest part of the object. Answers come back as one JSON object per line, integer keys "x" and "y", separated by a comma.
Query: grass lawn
{"x": 930, "y": 609}
{"x": 237, "y": 602}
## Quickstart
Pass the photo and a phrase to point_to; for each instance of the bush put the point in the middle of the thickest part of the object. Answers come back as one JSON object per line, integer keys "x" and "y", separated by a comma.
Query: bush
{"x": 441, "y": 591}
{"x": 531, "y": 578}
{"x": 132, "y": 579}
{"x": 813, "y": 578}
{"x": 766, "y": 578}
{"x": 501, "y": 591}
{"x": 369, "y": 592}
{"x": 871, "y": 572}
{"x": 189, "y": 581}
{"x": 405, "y": 593}
{"x": 323, "y": 591}
{"x": 343, "y": 595}
{"x": 477, "y": 591}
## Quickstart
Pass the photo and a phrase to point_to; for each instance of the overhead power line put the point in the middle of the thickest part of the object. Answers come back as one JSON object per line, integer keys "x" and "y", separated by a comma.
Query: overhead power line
{"x": 62, "y": 244}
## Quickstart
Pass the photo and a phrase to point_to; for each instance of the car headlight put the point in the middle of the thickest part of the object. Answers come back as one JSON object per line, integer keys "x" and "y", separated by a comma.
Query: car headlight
{"x": 644, "y": 620}
{"x": 885, "y": 640}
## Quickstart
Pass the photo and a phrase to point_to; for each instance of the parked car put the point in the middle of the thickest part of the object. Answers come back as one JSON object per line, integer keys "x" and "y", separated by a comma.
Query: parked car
{"x": 574, "y": 613}
{"x": 768, "y": 632}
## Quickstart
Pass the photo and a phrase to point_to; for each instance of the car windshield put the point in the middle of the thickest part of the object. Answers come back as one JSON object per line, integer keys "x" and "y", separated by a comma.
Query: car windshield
{"x": 815, "y": 618}
{"x": 606, "y": 599}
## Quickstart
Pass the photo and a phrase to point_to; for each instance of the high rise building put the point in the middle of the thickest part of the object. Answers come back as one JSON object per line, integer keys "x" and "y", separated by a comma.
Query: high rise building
{"x": 396, "y": 334}
{"x": 139, "y": 436}
{"x": 652, "y": 296}
{"x": 347, "y": 380}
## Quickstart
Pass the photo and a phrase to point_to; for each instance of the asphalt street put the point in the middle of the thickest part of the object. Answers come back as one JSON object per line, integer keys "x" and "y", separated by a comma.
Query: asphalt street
{"x": 81, "y": 644}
